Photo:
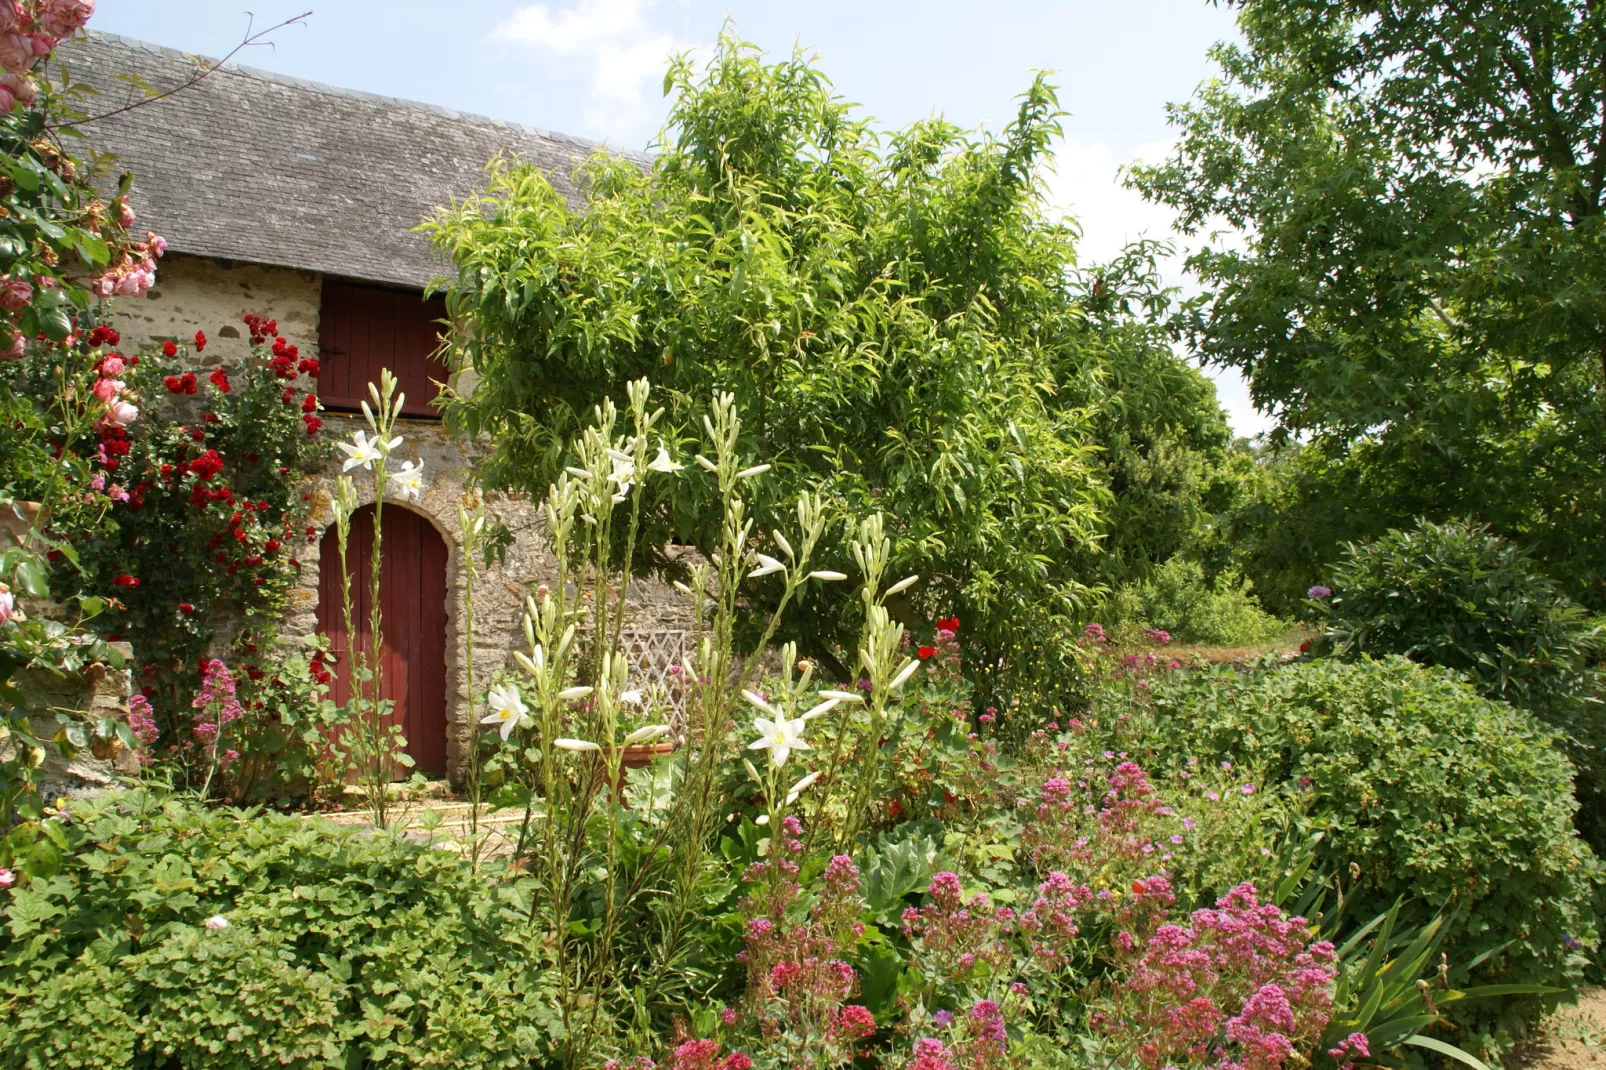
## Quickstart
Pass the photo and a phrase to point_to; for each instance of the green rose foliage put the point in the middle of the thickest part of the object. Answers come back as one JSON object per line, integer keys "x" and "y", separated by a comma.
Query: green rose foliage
{"x": 1422, "y": 292}
{"x": 1455, "y": 802}
{"x": 901, "y": 323}
{"x": 342, "y": 948}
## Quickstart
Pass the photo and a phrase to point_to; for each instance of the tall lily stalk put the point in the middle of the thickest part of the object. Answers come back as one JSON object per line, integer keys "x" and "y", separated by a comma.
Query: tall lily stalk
{"x": 373, "y": 746}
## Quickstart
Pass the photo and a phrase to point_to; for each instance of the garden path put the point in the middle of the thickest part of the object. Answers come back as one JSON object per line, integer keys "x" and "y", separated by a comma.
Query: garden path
{"x": 1574, "y": 1038}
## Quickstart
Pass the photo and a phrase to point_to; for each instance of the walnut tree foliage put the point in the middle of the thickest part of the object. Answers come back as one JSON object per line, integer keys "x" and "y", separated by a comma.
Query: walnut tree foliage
{"x": 902, "y": 323}
{"x": 1421, "y": 289}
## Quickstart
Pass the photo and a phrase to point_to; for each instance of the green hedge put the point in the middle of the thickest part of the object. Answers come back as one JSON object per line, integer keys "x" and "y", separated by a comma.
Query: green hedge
{"x": 1439, "y": 795}
{"x": 343, "y": 948}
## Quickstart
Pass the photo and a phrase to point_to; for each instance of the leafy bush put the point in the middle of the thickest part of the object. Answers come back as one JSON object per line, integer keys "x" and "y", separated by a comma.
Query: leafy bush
{"x": 1179, "y": 599}
{"x": 1457, "y": 595}
{"x": 1436, "y": 794}
{"x": 339, "y": 947}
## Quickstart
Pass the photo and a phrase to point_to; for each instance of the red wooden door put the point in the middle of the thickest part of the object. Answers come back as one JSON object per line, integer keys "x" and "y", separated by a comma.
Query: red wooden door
{"x": 412, "y": 607}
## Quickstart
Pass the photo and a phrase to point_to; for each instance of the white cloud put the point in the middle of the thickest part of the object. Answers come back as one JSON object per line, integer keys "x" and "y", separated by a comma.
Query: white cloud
{"x": 1086, "y": 185}
{"x": 614, "y": 41}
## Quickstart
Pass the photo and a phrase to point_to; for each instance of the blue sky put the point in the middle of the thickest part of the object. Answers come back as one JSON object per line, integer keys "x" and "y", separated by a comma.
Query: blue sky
{"x": 594, "y": 68}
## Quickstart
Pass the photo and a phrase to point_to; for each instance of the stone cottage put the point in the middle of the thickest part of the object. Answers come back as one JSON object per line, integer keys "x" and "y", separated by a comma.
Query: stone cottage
{"x": 297, "y": 201}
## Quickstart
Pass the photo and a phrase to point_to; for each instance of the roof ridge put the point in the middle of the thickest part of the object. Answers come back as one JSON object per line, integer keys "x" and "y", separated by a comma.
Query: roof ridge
{"x": 328, "y": 89}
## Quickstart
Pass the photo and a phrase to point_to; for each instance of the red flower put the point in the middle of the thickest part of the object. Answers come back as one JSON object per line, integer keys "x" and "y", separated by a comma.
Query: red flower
{"x": 309, "y": 366}
{"x": 273, "y": 546}
{"x": 313, "y": 424}
{"x": 925, "y": 652}
{"x": 253, "y": 672}
{"x": 239, "y": 534}
{"x": 167, "y": 471}
{"x": 200, "y": 341}
{"x": 174, "y": 384}
{"x": 258, "y": 581}
{"x": 310, "y": 403}
{"x": 219, "y": 379}
{"x": 185, "y": 608}
{"x": 169, "y": 349}
{"x": 207, "y": 465}
{"x": 123, "y": 579}
{"x": 948, "y": 624}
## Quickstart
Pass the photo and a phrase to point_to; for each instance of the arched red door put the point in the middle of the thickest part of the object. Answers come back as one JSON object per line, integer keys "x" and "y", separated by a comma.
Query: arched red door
{"x": 412, "y": 606}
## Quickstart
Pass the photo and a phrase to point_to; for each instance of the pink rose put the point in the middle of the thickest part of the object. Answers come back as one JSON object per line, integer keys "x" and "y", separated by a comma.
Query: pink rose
{"x": 122, "y": 413}
{"x": 64, "y": 17}
{"x": 107, "y": 389}
{"x": 157, "y": 243}
{"x": 15, "y": 349}
{"x": 43, "y": 44}
{"x": 7, "y": 101}
{"x": 18, "y": 86}
{"x": 112, "y": 365}
{"x": 125, "y": 214}
{"x": 7, "y": 603}
{"x": 15, "y": 294}
{"x": 16, "y": 51}
{"x": 11, "y": 18}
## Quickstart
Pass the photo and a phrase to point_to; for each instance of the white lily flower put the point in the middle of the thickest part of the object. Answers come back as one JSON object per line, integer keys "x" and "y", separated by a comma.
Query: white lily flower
{"x": 706, "y": 463}
{"x": 360, "y": 452}
{"x": 663, "y": 462}
{"x": 506, "y": 709}
{"x": 570, "y": 693}
{"x": 827, "y": 575}
{"x": 766, "y": 565}
{"x": 630, "y": 698}
{"x": 647, "y": 734}
{"x": 578, "y": 746}
{"x": 903, "y": 585}
{"x": 843, "y": 696}
{"x": 822, "y": 709}
{"x": 780, "y": 737}
{"x": 387, "y": 448}
{"x": 761, "y": 703}
{"x": 780, "y": 540}
{"x": 410, "y": 481}
{"x": 623, "y": 475}
{"x": 756, "y": 470}
{"x": 904, "y": 673}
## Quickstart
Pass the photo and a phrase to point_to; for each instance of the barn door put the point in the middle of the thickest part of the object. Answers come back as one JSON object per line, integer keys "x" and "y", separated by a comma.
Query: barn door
{"x": 412, "y": 606}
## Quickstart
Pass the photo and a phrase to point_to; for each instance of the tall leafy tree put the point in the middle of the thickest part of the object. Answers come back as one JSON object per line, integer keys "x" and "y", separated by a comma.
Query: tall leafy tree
{"x": 1419, "y": 286}
{"x": 900, "y": 320}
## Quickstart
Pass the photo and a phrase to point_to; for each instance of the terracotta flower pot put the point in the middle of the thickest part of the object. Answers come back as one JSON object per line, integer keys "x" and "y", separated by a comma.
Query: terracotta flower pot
{"x": 637, "y": 756}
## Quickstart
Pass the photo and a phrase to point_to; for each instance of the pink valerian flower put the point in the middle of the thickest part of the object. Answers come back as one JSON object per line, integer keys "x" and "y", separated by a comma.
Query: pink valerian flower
{"x": 955, "y": 938}
{"x": 1242, "y": 983}
{"x": 1356, "y": 1045}
{"x": 142, "y": 722}
{"x": 216, "y": 708}
{"x": 930, "y": 1054}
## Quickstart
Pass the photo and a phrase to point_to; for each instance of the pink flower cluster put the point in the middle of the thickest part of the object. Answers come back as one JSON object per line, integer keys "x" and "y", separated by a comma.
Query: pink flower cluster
{"x": 216, "y": 708}
{"x": 1133, "y": 825}
{"x": 29, "y": 31}
{"x": 112, "y": 392}
{"x": 142, "y": 722}
{"x": 704, "y": 1055}
{"x": 1242, "y": 985}
{"x": 135, "y": 271}
{"x": 958, "y": 939}
{"x": 798, "y": 980}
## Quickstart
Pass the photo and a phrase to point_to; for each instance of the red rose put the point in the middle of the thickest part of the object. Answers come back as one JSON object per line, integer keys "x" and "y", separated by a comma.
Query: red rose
{"x": 123, "y": 579}
{"x": 185, "y": 608}
{"x": 948, "y": 624}
{"x": 189, "y": 382}
{"x": 200, "y": 341}
{"x": 273, "y": 546}
{"x": 174, "y": 384}
{"x": 313, "y": 424}
{"x": 219, "y": 379}
{"x": 925, "y": 652}
{"x": 207, "y": 465}
{"x": 309, "y": 366}
{"x": 310, "y": 403}
{"x": 169, "y": 349}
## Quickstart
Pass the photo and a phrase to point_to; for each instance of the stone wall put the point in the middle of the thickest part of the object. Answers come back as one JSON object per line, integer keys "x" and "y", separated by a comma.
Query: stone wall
{"x": 97, "y": 692}
{"x": 211, "y": 295}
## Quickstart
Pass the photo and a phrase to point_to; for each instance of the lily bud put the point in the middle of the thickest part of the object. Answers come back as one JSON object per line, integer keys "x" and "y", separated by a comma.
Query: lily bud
{"x": 902, "y": 585}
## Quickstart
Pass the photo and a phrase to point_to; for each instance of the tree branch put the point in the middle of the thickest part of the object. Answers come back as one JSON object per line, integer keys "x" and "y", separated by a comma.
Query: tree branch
{"x": 205, "y": 72}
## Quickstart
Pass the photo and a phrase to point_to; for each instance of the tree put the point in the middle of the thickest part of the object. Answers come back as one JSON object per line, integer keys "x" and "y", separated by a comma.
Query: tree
{"x": 898, "y": 317}
{"x": 1421, "y": 289}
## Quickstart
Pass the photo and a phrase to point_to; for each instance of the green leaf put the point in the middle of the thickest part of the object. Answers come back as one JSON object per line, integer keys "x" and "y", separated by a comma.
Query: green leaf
{"x": 1449, "y": 1050}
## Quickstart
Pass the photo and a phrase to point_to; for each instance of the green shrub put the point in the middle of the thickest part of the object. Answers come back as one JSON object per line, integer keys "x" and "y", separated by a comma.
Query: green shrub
{"x": 1179, "y": 599}
{"x": 340, "y": 946}
{"x": 1457, "y": 595}
{"x": 1451, "y": 800}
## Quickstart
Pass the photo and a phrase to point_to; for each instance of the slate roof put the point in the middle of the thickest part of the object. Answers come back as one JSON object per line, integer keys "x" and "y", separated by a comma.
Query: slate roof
{"x": 254, "y": 166}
